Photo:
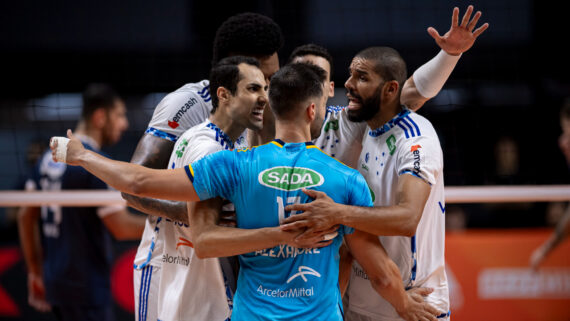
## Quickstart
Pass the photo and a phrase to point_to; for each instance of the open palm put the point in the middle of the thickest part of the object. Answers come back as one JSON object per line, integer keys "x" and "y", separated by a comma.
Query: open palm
{"x": 459, "y": 38}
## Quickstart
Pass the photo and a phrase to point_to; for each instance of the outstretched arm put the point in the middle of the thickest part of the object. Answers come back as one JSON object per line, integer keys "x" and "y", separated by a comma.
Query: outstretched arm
{"x": 154, "y": 152}
{"x": 130, "y": 178}
{"x": 211, "y": 240}
{"x": 428, "y": 80}
{"x": 385, "y": 277}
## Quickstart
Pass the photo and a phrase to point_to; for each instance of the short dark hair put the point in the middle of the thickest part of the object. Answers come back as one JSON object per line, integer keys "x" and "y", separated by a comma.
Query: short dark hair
{"x": 98, "y": 96}
{"x": 293, "y": 85}
{"x": 247, "y": 34}
{"x": 312, "y": 49}
{"x": 226, "y": 74}
{"x": 387, "y": 63}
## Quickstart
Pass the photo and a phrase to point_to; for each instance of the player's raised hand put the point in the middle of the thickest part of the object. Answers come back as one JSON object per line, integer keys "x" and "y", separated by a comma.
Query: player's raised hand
{"x": 460, "y": 37}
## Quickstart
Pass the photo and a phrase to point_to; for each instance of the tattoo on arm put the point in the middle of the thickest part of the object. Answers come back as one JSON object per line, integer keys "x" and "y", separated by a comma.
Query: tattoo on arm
{"x": 153, "y": 152}
{"x": 173, "y": 210}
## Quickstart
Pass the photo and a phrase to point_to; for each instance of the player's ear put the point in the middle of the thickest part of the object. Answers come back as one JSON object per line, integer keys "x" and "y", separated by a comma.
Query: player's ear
{"x": 390, "y": 90}
{"x": 223, "y": 94}
{"x": 99, "y": 118}
{"x": 311, "y": 111}
{"x": 331, "y": 92}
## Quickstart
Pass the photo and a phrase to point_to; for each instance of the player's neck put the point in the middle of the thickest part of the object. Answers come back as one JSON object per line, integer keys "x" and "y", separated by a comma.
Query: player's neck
{"x": 385, "y": 113}
{"x": 93, "y": 133}
{"x": 228, "y": 125}
{"x": 292, "y": 131}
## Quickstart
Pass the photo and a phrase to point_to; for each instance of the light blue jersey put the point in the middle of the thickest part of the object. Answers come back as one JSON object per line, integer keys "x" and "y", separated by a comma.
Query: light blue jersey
{"x": 281, "y": 283}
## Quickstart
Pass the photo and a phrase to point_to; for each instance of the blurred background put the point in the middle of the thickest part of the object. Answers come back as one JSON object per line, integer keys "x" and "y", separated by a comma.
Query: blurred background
{"x": 497, "y": 117}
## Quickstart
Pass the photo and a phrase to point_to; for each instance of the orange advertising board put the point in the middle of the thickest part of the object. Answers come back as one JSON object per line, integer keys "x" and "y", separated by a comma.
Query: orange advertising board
{"x": 490, "y": 278}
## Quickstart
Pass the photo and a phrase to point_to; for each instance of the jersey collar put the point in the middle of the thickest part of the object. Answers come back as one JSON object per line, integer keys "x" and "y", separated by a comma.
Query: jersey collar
{"x": 390, "y": 124}
{"x": 281, "y": 143}
{"x": 221, "y": 136}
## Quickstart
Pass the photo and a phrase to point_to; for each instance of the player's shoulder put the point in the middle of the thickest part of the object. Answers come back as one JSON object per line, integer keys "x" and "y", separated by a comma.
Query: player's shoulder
{"x": 415, "y": 125}
{"x": 331, "y": 163}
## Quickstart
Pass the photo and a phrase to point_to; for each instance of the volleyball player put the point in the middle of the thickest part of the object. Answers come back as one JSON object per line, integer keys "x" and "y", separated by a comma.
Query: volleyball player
{"x": 278, "y": 283}
{"x": 247, "y": 34}
{"x": 401, "y": 160}
{"x": 70, "y": 268}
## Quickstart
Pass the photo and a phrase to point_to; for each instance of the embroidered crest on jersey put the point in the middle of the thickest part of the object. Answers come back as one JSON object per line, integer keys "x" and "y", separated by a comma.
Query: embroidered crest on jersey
{"x": 333, "y": 124}
{"x": 391, "y": 142}
{"x": 181, "y": 148}
{"x": 174, "y": 122}
{"x": 287, "y": 178}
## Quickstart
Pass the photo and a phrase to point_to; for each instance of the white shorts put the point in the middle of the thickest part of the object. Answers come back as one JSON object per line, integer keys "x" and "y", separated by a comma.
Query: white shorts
{"x": 146, "y": 282}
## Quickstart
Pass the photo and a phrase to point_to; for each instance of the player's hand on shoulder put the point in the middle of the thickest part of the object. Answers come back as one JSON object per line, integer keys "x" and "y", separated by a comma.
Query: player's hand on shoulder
{"x": 417, "y": 308}
{"x": 460, "y": 37}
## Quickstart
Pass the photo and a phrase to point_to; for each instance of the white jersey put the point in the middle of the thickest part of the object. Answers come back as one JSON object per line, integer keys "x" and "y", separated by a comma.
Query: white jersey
{"x": 179, "y": 111}
{"x": 341, "y": 138}
{"x": 192, "y": 288}
{"x": 406, "y": 145}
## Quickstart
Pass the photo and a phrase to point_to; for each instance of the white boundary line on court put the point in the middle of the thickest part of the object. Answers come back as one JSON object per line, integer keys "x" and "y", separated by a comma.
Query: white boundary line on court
{"x": 453, "y": 194}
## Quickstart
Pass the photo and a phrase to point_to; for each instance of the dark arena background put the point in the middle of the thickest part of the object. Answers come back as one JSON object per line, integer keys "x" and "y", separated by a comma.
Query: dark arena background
{"x": 498, "y": 118}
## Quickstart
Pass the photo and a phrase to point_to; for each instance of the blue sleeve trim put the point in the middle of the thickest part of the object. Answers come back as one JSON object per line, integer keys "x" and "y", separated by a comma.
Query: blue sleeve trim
{"x": 414, "y": 174}
{"x": 444, "y": 315}
{"x": 160, "y": 134}
{"x": 189, "y": 173}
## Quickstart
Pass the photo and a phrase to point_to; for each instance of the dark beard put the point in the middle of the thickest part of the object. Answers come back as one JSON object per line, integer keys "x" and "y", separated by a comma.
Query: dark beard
{"x": 368, "y": 107}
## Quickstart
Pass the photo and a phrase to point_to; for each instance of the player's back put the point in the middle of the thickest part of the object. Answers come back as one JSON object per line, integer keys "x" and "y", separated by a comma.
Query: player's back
{"x": 285, "y": 283}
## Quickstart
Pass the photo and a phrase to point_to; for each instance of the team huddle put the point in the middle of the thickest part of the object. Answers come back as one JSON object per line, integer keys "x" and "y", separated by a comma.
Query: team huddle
{"x": 339, "y": 211}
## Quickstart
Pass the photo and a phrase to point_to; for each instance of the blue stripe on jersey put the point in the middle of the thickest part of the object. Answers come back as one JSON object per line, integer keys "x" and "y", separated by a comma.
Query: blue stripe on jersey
{"x": 444, "y": 315}
{"x": 415, "y": 125}
{"x": 141, "y": 293}
{"x": 204, "y": 89}
{"x": 403, "y": 120}
{"x": 160, "y": 134}
{"x": 147, "y": 292}
{"x": 404, "y": 129}
{"x": 151, "y": 249}
{"x": 414, "y": 260}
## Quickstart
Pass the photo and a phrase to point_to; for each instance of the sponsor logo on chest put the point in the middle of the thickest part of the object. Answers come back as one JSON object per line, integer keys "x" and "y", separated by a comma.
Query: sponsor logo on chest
{"x": 287, "y": 178}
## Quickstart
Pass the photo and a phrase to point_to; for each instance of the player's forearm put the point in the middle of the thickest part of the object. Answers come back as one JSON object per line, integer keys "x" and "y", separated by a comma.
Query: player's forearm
{"x": 388, "y": 283}
{"x": 28, "y": 229}
{"x": 382, "y": 272}
{"x": 174, "y": 210}
{"x": 219, "y": 241}
{"x": 394, "y": 220}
